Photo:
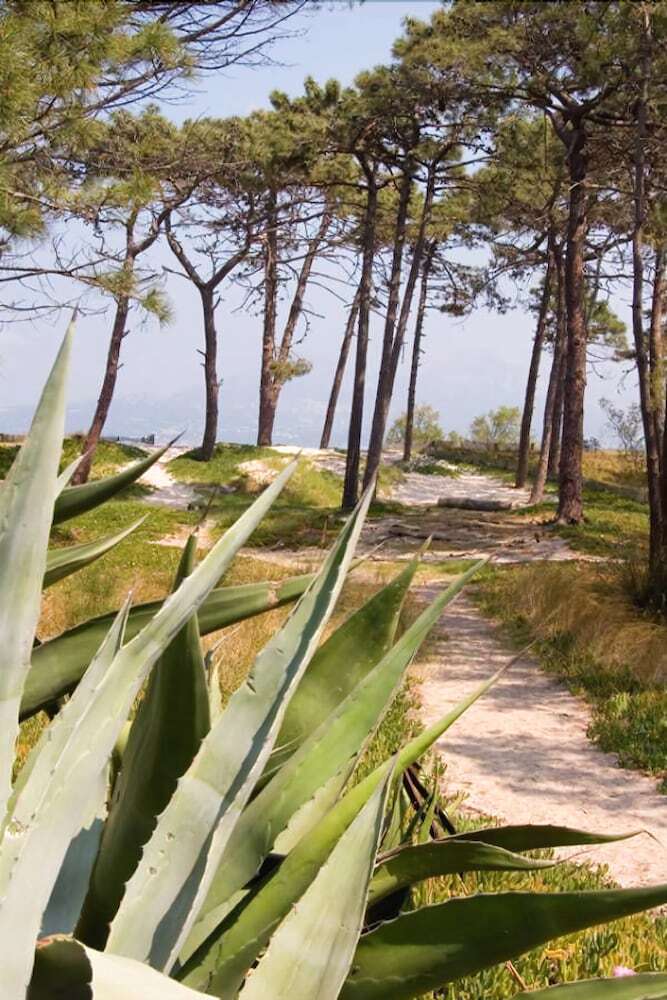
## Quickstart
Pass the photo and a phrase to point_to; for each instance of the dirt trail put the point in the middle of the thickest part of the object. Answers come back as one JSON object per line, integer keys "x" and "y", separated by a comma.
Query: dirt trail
{"x": 521, "y": 752}
{"x": 167, "y": 491}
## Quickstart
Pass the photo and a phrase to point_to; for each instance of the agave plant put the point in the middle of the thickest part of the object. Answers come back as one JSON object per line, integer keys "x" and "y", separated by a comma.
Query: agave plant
{"x": 202, "y": 850}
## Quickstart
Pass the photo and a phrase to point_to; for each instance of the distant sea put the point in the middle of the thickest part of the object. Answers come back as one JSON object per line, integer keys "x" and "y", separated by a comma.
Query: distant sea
{"x": 297, "y": 422}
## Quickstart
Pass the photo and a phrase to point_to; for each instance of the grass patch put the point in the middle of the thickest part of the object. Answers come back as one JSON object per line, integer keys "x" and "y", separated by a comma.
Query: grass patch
{"x": 223, "y": 468}
{"x": 109, "y": 456}
{"x": 614, "y": 527}
{"x": 615, "y": 467}
{"x": 591, "y": 636}
{"x": 307, "y": 512}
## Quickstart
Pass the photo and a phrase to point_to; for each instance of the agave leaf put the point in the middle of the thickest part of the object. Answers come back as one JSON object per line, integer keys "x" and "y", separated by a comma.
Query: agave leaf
{"x": 172, "y": 720}
{"x": 223, "y": 960}
{"x": 413, "y": 863}
{"x": 328, "y": 751}
{"x": 75, "y": 500}
{"x": 53, "y": 791}
{"x": 59, "y": 664}
{"x": 66, "y": 968}
{"x": 426, "y": 823}
{"x": 359, "y": 643}
{"x": 69, "y": 891}
{"x": 422, "y": 950}
{"x": 648, "y": 986}
{"x": 65, "y": 561}
{"x": 536, "y": 837}
{"x": 63, "y": 479}
{"x": 165, "y": 894}
{"x": 26, "y": 507}
{"x": 50, "y": 803}
{"x": 310, "y": 954}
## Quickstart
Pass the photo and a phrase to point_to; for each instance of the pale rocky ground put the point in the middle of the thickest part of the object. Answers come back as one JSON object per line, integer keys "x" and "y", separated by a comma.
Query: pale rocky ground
{"x": 521, "y": 754}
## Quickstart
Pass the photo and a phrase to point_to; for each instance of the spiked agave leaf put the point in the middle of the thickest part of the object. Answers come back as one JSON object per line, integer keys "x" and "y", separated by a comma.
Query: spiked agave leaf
{"x": 424, "y": 949}
{"x": 649, "y": 986}
{"x": 164, "y": 896}
{"x": 65, "y": 968}
{"x": 359, "y": 643}
{"x": 330, "y": 751}
{"x": 26, "y": 508}
{"x": 172, "y": 720}
{"x": 223, "y": 960}
{"x": 68, "y": 893}
{"x": 75, "y": 500}
{"x": 536, "y": 837}
{"x": 52, "y": 794}
{"x": 63, "y": 562}
{"x": 310, "y": 954}
{"x": 411, "y": 864}
{"x": 58, "y": 664}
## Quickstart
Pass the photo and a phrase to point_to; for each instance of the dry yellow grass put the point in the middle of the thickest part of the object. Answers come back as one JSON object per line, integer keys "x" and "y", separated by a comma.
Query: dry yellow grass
{"x": 617, "y": 467}
{"x": 590, "y": 606}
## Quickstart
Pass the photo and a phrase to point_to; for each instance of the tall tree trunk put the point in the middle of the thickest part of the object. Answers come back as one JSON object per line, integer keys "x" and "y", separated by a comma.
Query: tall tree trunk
{"x": 211, "y": 381}
{"x": 640, "y": 339}
{"x": 657, "y": 319}
{"x": 353, "y": 458}
{"x": 533, "y": 373}
{"x": 553, "y": 466}
{"x": 267, "y": 386}
{"x": 340, "y": 371}
{"x": 393, "y": 299}
{"x": 416, "y": 354}
{"x": 550, "y": 429}
{"x": 296, "y": 309}
{"x": 106, "y": 391}
{"x": 656, "y": 361}
{"x": 570, "y": 506}
{"x": 387, "y": 375}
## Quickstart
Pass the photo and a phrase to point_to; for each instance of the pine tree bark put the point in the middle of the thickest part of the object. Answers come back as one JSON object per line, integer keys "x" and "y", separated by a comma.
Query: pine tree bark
{"x": 211, "y": 381}
{"x": 553, "y": 466}
{"x": 339, "y": 373}
{"x": 106, "y": 391}
{"x": 416, "y": 354}
{"x": 549, "y": 426}
{"x": 353, "y": 457}
{"x": 393, "y": 302}
{"x": 533, "y": 373}
{"x": 570, "y": 506}
{"x": 267, "y": 394}
{"x": 273, "y": 377}
{"x": 207, "y": 292}
{"x": 387, "y": 374}
{"x": 656, "y": 358}
{"x": 646, "y": 394}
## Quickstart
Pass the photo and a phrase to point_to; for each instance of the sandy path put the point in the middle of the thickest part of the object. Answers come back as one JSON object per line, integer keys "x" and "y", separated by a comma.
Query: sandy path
{"x": 521, "y": 753}
{"x": 167, "y": 491}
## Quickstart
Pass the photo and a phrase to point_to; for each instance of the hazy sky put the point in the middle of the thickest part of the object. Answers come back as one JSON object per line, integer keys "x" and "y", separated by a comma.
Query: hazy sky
{"x": 470, "y": 365}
